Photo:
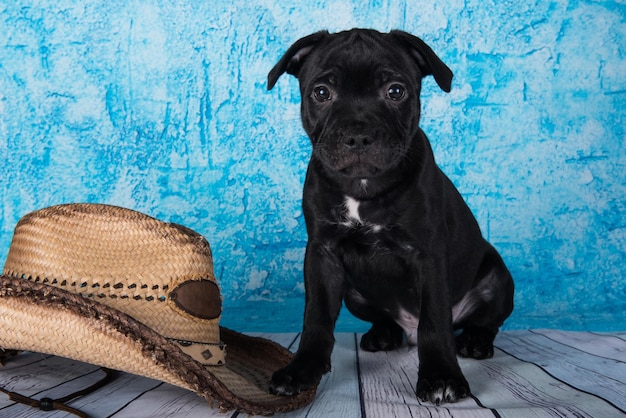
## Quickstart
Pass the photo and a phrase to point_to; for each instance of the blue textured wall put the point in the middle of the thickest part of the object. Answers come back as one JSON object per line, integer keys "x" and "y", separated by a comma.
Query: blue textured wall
{"x": 162, "y": 107}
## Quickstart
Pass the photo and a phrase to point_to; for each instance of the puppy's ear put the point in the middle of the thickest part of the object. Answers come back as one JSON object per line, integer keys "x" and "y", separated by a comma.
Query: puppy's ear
{"x": 291, "y": 62}
{"x": 427, "y": 60}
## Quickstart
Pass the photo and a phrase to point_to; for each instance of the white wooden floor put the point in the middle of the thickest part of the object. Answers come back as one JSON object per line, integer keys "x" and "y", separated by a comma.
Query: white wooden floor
{"x": 539, "y": 373}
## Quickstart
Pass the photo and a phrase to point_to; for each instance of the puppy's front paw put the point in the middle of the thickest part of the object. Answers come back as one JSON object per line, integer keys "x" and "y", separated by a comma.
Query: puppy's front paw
{"x": 440, "y": 391}
{"x": 297, "y": 377}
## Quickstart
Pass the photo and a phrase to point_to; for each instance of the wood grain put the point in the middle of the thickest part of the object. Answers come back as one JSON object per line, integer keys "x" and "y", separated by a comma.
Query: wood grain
{"x": 539, "y": 373}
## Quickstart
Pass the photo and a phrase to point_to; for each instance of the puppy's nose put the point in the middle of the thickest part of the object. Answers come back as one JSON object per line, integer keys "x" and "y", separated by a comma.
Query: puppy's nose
{"x": 357, "y": 141}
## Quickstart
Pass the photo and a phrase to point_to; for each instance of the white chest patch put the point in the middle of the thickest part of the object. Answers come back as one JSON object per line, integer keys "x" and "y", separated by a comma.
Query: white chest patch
{"x": 352, "y": 207}
{"x": 353, "y": 217}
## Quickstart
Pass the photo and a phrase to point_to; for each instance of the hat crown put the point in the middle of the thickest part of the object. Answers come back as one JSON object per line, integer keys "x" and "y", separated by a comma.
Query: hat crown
{"x": 117, "y": 288}
{"x": 159, "y": 273}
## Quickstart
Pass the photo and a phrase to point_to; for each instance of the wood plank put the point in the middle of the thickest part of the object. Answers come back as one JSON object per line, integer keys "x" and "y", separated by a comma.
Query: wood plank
{"x": 601, "y": 345}
{"x": 338, "y": 392}
{"x": 124, "y": 390}
{"x": 388, "y": 382}
{"x": 601, "y": 376}
{"x": 170, "y": 401}
{"x": 38, "y": 376}
{"x": 104, "y": 402}
{"x": 516, "y": 388}
{"x": 22, "y": 359}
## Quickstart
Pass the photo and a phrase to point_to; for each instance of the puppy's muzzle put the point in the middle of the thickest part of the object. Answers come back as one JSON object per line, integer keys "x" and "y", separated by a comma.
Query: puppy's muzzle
{"x": 356, "y": 154}
{"x": 356, "y": 143}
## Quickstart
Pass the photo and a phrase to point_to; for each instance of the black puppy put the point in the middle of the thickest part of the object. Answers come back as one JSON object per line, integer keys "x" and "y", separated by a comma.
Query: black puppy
{"x": 388, "y": 232}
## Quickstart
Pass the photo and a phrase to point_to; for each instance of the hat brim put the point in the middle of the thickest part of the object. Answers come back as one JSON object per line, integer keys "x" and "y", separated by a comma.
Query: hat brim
{"x": 42, "y": 318}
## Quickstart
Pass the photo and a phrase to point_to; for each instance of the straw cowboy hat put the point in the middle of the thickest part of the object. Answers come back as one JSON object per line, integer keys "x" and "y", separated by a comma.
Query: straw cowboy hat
{"x": 117, "y": 288}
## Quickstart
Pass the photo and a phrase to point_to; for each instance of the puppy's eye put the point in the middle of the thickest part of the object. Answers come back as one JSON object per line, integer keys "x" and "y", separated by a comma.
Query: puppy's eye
{"x": 322, "y": 93}
{"x": 395, "y": 92}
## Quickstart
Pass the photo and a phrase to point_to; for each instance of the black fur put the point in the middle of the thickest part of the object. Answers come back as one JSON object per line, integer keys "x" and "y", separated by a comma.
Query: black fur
{"x": 388, "y": 232}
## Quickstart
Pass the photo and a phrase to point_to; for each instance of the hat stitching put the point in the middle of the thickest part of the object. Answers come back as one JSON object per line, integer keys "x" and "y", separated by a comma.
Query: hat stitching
{"x": 117, "y": 286}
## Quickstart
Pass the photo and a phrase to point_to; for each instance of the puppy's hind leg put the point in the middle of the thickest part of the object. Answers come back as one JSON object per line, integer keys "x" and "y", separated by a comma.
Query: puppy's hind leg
{"x": 483, "y": 309}
{"x": 384, "y": 335}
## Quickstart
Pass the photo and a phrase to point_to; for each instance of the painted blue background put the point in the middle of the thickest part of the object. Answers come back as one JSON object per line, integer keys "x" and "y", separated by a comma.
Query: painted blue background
{"x": 162, "y": 107}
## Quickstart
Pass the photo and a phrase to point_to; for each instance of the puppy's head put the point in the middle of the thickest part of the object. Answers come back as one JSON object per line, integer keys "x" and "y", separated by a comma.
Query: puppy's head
{"x": 360, "y": 95}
